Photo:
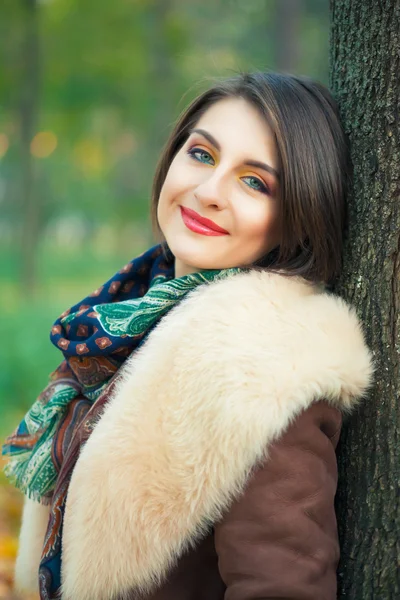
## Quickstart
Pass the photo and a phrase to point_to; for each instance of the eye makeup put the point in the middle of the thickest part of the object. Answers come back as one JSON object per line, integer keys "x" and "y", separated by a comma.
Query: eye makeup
{"x": 247, "y": 162}
{"x": 262, "y": 186}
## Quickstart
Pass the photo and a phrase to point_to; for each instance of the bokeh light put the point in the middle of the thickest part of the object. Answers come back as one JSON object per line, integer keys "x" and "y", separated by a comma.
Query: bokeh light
{"x": 4, "y": 144}
{"x": 43, "y": 144}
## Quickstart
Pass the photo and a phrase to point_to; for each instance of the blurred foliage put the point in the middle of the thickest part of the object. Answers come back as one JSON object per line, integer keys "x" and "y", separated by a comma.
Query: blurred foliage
{"x": 112, "y": 78}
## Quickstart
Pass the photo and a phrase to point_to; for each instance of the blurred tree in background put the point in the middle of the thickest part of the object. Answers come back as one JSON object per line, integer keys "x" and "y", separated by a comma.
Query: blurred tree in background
{"x": 89, "y": 91}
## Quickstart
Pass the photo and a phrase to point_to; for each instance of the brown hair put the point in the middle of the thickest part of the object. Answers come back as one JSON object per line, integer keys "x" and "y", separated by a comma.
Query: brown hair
{"x": 313, "y": 161}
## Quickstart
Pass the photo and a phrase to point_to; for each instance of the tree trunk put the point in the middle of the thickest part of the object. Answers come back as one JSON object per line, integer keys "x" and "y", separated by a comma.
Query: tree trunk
{"x": 287, "y": 35}
{"x": 364, "y": 77}
{"x": 29, "y": 106}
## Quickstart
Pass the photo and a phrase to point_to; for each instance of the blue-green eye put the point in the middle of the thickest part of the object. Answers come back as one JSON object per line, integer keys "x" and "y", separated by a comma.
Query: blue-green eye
{"x": 205, "y": 157}
{"x": 195, "y": 151}
{"x": 260, "y": 187}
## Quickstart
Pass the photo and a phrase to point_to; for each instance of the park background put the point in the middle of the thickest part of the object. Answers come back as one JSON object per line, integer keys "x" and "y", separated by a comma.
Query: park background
{"x": 89, "y": 91}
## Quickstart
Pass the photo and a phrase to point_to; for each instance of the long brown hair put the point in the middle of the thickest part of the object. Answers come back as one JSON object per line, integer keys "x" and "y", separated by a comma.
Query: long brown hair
{"x": 313, "y": 161}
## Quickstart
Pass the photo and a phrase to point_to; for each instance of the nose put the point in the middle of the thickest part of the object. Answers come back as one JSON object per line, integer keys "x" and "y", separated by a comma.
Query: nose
{"x": 212, "y": 191}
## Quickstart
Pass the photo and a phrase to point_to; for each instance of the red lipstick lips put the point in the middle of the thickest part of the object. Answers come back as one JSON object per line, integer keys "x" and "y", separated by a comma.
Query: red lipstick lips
{"x": 200, "y": 224}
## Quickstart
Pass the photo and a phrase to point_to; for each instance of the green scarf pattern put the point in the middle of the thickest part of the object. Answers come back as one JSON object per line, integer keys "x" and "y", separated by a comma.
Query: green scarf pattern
{"x": 96, "y": 336}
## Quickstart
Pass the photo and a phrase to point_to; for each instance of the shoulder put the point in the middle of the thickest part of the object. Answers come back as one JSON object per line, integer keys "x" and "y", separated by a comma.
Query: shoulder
{"x": 270, "y": 330}
{"x": 219, "y": 380}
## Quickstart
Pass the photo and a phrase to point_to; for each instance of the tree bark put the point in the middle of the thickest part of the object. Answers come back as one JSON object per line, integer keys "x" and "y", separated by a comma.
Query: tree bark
{"x": 364, "y": 77}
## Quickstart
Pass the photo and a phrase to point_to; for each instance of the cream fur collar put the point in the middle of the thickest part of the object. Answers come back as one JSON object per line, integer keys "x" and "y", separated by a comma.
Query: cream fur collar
{"x": 218, "y": 380}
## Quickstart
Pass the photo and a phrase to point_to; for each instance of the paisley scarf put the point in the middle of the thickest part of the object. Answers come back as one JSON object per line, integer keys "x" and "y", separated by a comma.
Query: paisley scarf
{"x": 95, "y": 336}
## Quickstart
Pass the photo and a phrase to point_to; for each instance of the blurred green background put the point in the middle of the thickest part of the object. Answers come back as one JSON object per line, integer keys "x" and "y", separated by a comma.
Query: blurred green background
{"x": 89, "y": 90}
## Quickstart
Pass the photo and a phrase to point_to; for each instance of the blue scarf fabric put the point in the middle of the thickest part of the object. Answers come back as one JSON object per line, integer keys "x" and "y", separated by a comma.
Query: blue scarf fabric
{"x": 96, "y": 335}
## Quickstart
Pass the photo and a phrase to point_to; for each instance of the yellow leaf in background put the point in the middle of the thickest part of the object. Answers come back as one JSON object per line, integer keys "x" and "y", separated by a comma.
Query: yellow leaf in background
{"x": 4, "y": 590}
{"x": 10, "y": 510}
{"x": 13, "y": 508}
{"x": 8, "y": 547}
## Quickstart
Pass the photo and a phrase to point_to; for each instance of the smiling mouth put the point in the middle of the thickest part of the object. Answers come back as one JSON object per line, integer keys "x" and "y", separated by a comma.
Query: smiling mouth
{"x": 193, "y": 221}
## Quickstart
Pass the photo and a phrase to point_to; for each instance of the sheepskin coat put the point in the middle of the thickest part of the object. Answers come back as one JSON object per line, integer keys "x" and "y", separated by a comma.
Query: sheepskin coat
{"x": 211, "y": 474}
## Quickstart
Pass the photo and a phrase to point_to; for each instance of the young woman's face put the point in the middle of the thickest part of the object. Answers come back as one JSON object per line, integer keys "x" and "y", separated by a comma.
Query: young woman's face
{"x": 214, "y": 174}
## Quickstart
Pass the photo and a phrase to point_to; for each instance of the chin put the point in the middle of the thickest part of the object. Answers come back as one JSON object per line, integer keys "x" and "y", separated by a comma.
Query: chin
{"x": 189, "y": 251}
{"x": 197, "y": 264}
{"x": 195, "y": 259}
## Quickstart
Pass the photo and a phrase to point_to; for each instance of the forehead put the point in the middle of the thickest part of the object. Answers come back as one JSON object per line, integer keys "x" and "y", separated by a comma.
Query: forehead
{"x": 238, "y": 125}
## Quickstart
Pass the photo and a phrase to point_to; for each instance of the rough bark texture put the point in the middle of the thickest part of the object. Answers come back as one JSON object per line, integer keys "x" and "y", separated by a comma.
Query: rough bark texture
{"x": 365, "y": 79}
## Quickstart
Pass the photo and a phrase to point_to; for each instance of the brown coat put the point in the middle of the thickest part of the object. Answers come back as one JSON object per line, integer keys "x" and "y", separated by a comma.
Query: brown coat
{"x": 279, "y": 539}
{"x": 211, "y": 474}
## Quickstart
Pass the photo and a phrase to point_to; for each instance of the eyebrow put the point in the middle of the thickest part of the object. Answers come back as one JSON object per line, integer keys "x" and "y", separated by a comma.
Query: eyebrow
{"x": 250, "y": 163}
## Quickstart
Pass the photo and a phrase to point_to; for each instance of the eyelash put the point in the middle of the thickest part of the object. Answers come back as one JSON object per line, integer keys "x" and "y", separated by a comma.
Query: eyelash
{"x": 263, "y": 188}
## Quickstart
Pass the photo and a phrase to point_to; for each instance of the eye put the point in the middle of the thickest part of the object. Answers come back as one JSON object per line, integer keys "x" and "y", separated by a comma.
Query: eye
{"x": 205, "y": 157}
{"x": 257, "y": 184}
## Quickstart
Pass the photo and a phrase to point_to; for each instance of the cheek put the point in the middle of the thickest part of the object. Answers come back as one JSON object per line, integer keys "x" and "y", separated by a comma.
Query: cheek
{"x": 166, "y": 194}
{"x": 259, "y": 222}
{"x": 176, "y": 181}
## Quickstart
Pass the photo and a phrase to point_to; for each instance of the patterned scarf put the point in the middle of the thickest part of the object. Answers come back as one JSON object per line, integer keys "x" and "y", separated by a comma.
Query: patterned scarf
{"x": 95, "y": 336}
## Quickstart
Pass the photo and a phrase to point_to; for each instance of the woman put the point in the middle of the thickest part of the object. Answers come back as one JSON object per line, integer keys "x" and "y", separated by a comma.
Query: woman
{"x": 203, "y": 467}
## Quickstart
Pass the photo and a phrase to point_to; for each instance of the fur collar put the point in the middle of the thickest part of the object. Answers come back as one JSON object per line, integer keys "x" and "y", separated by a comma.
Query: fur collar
{"x": 220, "y": 377}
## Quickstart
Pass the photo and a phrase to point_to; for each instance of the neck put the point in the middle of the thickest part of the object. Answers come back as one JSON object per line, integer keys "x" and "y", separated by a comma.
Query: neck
{"x": 182, "y": 269}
